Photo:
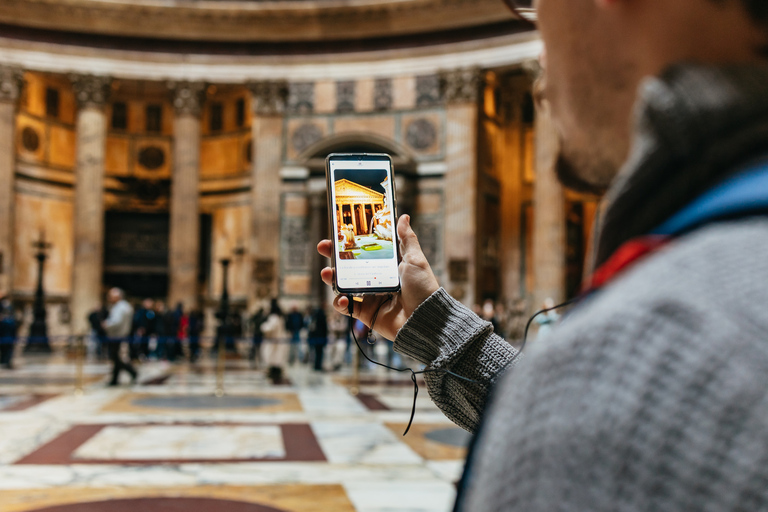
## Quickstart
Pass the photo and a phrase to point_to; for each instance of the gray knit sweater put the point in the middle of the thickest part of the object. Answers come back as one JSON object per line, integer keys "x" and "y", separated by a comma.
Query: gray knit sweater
{"x": 653, "y": 394}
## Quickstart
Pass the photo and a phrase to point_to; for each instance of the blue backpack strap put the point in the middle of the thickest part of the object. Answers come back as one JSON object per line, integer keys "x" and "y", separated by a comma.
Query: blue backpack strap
{"x": 742, "y": 195}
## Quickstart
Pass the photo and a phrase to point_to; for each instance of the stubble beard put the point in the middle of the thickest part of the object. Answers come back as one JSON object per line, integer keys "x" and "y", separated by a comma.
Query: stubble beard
{"x": 590, "y": 173}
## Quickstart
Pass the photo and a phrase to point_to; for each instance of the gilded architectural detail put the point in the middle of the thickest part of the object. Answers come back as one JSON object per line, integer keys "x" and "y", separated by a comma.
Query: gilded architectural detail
{"x": 91, "y": 90}
{"x": 269, "y": 98}
{"x": 11, "y": 79}
{"x": 461, "y": 85}
{"x": 187, "y": 97}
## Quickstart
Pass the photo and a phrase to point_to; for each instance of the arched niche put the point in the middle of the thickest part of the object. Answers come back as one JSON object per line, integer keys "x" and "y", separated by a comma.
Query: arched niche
{"x": 313, "y": 158}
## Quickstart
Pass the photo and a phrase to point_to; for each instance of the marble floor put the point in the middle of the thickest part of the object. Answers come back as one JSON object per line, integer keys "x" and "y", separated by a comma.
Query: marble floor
{"x": 169, "y": 443}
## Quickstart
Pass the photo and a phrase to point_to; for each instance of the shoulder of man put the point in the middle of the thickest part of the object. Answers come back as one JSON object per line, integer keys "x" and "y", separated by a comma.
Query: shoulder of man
{"x": 664, "y": 364}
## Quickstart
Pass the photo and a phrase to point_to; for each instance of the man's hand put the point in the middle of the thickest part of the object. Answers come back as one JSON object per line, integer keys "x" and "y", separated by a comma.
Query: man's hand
{"x": 416, "y": 279}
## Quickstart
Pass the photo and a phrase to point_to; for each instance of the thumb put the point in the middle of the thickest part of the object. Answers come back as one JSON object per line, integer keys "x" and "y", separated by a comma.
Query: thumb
{"x": 409, "y": 243}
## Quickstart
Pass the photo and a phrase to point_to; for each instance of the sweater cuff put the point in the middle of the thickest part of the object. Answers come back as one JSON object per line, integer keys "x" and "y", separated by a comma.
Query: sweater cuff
{"x": 440, "y": 326}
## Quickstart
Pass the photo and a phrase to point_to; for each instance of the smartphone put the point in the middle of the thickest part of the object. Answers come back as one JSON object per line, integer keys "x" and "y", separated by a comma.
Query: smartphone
{"x": 363, "y": 216}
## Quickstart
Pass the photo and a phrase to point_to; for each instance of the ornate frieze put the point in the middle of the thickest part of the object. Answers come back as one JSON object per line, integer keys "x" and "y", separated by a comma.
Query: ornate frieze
{"x": 382, "y": 94}
{"x": 427, "y": 91}
{"x": 11, "y": 80}
{"x": 345, "y": 96}
{"x": 461, "y": 85}
{"x": 269, "y": 98}
{"x": 187, "y": 97}
{"x": 301, "y": 98}
{"x": 91, "y": 90}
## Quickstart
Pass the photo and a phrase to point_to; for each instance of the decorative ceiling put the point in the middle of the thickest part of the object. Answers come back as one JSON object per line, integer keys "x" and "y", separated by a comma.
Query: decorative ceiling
{"x": 252, "y": 21}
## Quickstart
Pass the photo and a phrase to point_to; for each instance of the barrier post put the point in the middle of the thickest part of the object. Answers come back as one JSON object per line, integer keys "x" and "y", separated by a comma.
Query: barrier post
{"x": 79, "y": 362}
{"x": 220, "y": 368}
{"x": 355, "y": 389}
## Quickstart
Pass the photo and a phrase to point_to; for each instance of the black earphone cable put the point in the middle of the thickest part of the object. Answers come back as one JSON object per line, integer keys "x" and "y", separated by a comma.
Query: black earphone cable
{"x": 372, "y": 340}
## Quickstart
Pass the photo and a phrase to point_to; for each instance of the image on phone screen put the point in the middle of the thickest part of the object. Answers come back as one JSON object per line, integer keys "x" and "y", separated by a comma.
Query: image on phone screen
{"x": 363, "y": 221}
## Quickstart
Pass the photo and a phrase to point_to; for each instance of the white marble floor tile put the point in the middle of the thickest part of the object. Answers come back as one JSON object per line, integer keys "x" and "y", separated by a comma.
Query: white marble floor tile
{"x": 367, "y": 443}
{"x": 400, "y": 496}
{"x": 180, "y": 442}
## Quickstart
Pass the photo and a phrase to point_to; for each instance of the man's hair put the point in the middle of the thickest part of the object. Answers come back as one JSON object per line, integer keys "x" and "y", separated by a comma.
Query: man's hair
{"x": 757, "y": 9}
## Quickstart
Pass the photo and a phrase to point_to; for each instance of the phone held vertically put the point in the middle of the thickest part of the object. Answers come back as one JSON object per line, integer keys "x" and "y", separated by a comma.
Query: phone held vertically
{"x": 362, "y": 208}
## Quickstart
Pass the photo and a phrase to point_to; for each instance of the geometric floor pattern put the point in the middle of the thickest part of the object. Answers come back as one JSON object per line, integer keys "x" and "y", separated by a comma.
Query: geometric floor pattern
{"x": 169, "y": 444}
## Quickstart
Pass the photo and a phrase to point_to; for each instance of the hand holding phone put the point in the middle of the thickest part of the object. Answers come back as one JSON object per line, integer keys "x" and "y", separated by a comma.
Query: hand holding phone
{"x": 417, "y": 284}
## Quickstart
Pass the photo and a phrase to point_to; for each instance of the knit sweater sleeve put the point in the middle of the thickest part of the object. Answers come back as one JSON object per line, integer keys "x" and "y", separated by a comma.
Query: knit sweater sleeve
{"x": 443, "y": 334}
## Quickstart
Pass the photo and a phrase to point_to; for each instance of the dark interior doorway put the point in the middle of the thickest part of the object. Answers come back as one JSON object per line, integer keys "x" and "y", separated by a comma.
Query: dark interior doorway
{"x": 136, "y": 253}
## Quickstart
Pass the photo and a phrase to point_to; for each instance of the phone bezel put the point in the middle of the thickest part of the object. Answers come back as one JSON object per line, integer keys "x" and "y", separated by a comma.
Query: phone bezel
{"x": 331, "y": 220}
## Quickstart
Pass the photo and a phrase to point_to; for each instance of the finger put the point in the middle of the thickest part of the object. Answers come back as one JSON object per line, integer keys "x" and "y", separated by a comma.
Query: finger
{"x": 327, "y": 276}
{"x": 325, "y": 248}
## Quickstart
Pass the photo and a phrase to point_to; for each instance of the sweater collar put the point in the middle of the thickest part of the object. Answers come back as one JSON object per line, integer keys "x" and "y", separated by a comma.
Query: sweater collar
{"x": 694, "y": 126}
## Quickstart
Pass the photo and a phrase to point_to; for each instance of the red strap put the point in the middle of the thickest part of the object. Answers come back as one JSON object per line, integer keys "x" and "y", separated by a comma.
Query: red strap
{"x": 624, "y": 257}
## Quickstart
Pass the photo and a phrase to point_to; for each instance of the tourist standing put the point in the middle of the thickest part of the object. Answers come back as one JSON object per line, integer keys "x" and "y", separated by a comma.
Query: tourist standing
{"x": 275, "y": 346}
{"x": 8, "y": 327}
{"x": 294, "y": 322}
{"x": 118, "y": 328}
{"x": 318, "y": 336}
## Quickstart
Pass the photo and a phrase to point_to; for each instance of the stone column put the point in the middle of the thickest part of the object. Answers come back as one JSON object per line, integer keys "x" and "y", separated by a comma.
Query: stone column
{"x": 268, "y": 109}
{"x": 461, "y": 92}
{"x": 10, "y": 87}
{"x": 184, "y": 246}
{"x": 91, "y": 93}
{"x": 549, "y": 212}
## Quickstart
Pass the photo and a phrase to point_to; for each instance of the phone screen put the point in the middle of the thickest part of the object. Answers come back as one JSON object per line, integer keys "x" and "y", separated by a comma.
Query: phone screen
{"x": 362, "y": 204}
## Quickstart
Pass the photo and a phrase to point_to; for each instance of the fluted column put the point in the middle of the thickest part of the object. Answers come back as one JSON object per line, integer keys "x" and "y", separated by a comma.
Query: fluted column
{"x": 268, "y": 102}
{"x": 461, "y": 91}
{"x": 10, "y": 87}
{"x": 184, "y": 246}
{"x": 549, "y": 211}
{"x": 91, "y": 93}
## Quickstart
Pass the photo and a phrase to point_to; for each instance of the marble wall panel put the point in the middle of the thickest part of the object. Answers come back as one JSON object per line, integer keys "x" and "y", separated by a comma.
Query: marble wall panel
{"x": 364, "y": 98}
{"x": 302, "y": 133}
{"x": 424, "y": 133}
{"x": 295, "y": 205}
{"x": 230, "y": 230}
{"x": 117, "y": 156}
{"x": 296, "y": 285}
{"x": 33, "y": 215}
{"x": 37, "y": 139}
{"x": 403, "y": 93}
{"x": 429, "y": 203}
{"x": 220, "y": 156}
{"x": 325, "y": 97}
{"x": 382, "y": 125}
{"x": 62, "y": 146}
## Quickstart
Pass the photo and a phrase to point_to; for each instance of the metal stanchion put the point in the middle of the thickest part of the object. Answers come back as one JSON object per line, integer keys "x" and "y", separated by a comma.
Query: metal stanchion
{"x": 355, "y": 389}
{"x": 220, "y": 368}
{"x": 79, "y": 362}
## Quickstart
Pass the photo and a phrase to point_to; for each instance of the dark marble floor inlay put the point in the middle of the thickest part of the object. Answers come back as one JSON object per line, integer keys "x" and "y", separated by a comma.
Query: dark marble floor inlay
{"x": 450, "y": 436}
{"x": 162, "y": 505}
{"x": 205, "y": 402}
